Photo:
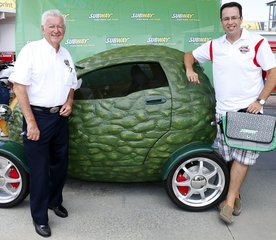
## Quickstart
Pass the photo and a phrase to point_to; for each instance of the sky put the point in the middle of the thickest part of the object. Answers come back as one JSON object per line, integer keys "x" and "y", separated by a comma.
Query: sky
{"x": 253, "y": 10}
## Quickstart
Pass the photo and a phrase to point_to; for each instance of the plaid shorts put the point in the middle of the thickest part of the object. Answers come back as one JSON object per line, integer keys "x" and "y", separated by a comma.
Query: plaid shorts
{"x": 245, "y": 157}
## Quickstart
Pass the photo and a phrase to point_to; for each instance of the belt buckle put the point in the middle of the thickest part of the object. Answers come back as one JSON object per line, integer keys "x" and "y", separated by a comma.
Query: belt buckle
{"x": 54, "y": 110}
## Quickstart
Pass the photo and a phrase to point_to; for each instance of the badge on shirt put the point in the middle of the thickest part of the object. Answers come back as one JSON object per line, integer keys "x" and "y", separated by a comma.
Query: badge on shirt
{"x": 244, "y": 49}
{"x": 68, "y": 73}
{"x": 68, "y": 65}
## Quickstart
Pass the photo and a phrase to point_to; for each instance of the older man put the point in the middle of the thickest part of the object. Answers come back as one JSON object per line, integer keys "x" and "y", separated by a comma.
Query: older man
{"x": 44, "y": 81}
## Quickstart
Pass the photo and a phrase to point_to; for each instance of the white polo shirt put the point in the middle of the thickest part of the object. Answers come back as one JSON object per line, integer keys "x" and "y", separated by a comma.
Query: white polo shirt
{"x": 48, "y": 75}
{"x": 237, "y": 80}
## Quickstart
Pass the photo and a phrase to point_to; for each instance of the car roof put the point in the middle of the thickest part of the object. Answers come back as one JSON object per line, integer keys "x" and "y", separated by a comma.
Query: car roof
{"x": 125, "y": 54}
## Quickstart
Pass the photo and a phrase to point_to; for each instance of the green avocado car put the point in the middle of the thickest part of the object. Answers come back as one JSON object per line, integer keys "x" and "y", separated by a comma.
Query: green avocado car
{"x": 135, "y": 118}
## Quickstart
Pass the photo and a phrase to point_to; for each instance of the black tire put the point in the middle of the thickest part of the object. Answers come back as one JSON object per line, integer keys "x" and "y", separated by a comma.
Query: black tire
{"x": 198, "y": 182}
{"x": 14, "y": 182}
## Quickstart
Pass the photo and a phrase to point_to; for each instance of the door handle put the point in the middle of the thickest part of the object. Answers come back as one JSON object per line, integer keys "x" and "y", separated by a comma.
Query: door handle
{"x": 155, "y": 100}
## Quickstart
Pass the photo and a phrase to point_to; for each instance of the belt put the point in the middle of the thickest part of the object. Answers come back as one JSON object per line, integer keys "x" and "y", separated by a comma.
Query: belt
{"x": 45, "y": 109}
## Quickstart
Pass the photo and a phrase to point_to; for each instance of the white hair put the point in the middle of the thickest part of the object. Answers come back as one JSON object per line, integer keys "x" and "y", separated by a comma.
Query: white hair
{"x": 51, "y": 13}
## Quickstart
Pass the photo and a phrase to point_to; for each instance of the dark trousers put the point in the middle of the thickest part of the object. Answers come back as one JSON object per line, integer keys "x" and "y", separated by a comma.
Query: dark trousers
{"x": 47, "y": 159}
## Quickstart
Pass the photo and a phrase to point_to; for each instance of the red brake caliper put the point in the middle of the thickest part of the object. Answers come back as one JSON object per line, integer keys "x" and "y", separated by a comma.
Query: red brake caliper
{"x": 14, "y": 174}
{"x": 184, "y": 190}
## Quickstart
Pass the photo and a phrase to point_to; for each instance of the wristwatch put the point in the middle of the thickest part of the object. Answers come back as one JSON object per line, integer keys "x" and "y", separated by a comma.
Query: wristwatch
{"x": 261, "y": 101}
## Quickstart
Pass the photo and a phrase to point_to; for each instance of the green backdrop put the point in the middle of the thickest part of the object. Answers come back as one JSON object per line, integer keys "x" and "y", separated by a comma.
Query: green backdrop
{"x": 97, "y": 25}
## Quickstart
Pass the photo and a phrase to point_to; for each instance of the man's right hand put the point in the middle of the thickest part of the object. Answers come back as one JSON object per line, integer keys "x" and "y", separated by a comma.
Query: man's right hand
{"x": 20, "y": 91}
{"x": 33, "y": 132}
{"x": 189, "y": 60}
{"x": 192, "y": 76}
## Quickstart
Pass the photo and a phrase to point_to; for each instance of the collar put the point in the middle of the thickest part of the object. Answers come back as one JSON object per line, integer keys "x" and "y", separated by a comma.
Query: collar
{"x": 48, "y": 47}
{"x": 244, "y": 35}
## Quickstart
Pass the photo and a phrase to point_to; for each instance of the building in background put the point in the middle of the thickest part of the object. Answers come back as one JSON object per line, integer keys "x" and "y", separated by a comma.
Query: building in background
{"x": 266, "y": 29}
{"x": 7, "y": 30}
{"x": 269, "y": 25}
{"x": 272, "y": 16}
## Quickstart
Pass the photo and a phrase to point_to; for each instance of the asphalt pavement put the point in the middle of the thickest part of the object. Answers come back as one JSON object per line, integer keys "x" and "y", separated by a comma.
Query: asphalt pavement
{"x": 143, "y": 211}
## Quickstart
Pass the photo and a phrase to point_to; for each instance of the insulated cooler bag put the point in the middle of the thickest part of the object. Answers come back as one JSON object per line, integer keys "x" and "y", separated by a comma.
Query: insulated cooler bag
{"x": 249, "y": 131}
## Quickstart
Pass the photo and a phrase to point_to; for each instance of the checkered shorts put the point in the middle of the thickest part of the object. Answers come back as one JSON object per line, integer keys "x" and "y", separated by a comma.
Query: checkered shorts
{"x": 245, "y": 157}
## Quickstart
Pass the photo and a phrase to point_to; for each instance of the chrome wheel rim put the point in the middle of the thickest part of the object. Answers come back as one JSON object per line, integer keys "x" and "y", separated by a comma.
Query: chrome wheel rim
{"x": 10, "y": 181}
{"x": 198, "y": 182}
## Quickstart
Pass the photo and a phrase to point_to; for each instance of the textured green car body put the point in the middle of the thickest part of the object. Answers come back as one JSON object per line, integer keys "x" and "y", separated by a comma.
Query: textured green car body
{"x": 125, "y": 140}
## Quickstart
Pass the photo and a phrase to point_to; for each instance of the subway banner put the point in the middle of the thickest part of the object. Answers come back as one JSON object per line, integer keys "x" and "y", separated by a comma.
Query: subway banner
{"x": 98, "y": 25}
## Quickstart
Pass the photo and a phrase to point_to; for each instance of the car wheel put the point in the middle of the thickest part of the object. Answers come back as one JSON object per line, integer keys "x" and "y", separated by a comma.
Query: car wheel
{"x": 198, "y": 182}
{"x": 14, "y": 182}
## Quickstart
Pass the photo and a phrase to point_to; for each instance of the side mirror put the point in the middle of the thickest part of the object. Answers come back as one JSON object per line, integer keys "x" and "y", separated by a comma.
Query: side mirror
{"x": 5, "y": 112}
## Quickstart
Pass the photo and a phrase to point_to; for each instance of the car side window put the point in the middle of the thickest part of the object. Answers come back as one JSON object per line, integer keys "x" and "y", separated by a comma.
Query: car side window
{"x": 121, "y": 80}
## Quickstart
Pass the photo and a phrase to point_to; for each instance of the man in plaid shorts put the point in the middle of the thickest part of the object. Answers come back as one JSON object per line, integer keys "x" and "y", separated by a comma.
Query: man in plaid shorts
{"x": 238, "y": 59}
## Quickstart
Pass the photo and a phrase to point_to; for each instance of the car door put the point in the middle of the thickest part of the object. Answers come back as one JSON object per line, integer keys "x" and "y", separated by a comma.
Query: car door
{"x": 120, "y": 111}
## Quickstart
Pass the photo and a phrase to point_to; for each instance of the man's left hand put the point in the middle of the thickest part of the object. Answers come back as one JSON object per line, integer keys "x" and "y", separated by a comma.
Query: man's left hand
{"x": 254, "y": 107}
{"x": 66, "y": 109}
